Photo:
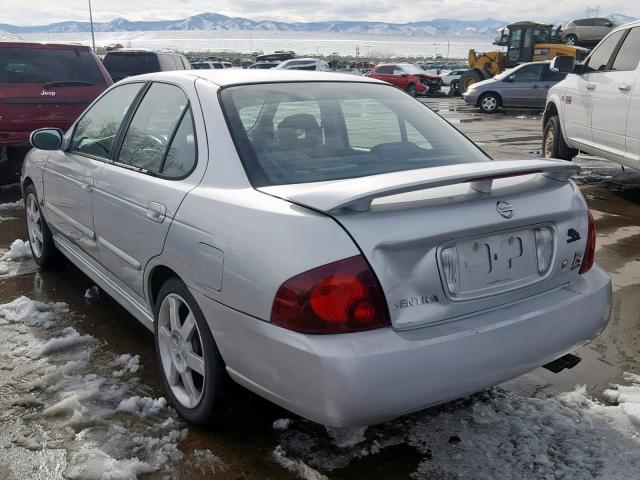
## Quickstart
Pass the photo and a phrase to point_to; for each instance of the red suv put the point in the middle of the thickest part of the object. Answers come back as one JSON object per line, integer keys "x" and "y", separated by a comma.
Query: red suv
{"x": 407, "y": 77}
{"x": 45, "y": 85}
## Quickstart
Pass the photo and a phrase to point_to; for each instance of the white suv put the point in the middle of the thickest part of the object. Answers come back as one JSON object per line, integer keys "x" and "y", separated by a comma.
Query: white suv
{"x": 596, "y": 109}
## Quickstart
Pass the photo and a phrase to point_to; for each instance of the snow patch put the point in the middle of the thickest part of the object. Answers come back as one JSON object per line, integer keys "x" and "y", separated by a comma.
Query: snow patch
{"x": 11, "y": 206}
{"x": 129, "y": 363}
{"x": 142, "y": 406}
{"x": 346, "y": 437}
{"x": 494, "y": 434}
{"x": 281, "y": 424}
{"x": 18, "y": 250}
{"x": 301, "y": 469}
{"x": 31, "y": 312}
{"x": 70, "y": 338}
{"x": 92, "y": 293}
{"x": 70, "y": 400}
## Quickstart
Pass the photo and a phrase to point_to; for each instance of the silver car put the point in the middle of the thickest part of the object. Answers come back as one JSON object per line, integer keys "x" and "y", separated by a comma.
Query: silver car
{"x": 525, "y": 86}
{"x": 587, "y": 30}
{"x": 324, "y": 240}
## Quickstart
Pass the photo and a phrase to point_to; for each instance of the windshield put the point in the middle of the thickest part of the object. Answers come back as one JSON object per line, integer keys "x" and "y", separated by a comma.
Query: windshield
{"x": 129, "y": 64}
{"x": 41, "y": 65}
{"x": 411, "y": 69}
{"x": 289, "y": 133}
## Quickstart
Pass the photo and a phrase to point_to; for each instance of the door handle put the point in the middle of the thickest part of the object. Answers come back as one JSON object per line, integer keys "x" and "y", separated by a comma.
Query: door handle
{"x": 87, "y": 184}
{"x": 547, "y": 87}
{"x": 591, "y": 86}
{"x": 156, "y": 212}
{"x": 624, "y": 87}
{"x": 535, "y": 86}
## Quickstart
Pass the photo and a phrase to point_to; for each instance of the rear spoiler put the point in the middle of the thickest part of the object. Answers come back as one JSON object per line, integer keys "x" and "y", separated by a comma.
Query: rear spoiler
{"x": 357, "y": 194}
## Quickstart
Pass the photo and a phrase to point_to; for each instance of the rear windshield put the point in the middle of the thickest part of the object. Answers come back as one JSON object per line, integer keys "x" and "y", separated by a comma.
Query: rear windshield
{"x": 40, "y": 65}
{"x": 311, "y": 132}
{"x": 129, "y": 64}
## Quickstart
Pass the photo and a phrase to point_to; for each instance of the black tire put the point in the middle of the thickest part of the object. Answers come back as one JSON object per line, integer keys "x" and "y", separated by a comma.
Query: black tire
{"x": 411, "y": 89}
{"x": 216, "y": 382}
{"x": 48, "y": 255}
{"x": 553, "y": 142}
{"x": 490, "y": 102}
{"x": 453, "y": 88}
{"x": 571, "y": 39}
{"x": 468, "y": 78}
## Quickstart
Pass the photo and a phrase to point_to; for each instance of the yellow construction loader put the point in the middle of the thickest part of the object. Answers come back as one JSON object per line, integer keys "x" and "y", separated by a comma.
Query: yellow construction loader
{"x": 524, "y": 42}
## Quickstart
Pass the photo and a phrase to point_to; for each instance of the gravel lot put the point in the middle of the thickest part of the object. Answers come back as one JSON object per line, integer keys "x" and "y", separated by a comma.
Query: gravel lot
{"x": 81, "y": 395}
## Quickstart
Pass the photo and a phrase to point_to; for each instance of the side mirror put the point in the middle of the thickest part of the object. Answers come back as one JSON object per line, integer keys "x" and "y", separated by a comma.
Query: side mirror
{"x": 47, "y": 139}
{"x": 510, "y": 78}
{"x": 563, "y": 64}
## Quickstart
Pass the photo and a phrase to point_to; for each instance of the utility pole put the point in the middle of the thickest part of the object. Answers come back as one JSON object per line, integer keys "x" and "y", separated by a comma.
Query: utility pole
{"x": 93, "y": 38}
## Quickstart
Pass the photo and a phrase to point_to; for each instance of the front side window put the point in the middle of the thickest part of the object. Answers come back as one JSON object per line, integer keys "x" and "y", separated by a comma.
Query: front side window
{"x": 598, "y": 61}
{"x": 146, "y": 141}
{"x": 528, "y": 73}
{"x": 628, "y": 56}
{"x": 96, "y": 131}
{"x": 385, "y": 69}
{"x": 320, "y": 131}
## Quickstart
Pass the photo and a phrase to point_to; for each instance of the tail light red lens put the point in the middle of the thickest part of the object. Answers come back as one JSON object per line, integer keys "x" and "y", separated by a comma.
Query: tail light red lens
{"x": 590, "y": 250}
{"x": 340, "y": 297}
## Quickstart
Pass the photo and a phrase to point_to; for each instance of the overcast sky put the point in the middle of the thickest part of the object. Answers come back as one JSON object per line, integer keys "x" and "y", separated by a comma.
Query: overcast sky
{"x": 38, "y": 12}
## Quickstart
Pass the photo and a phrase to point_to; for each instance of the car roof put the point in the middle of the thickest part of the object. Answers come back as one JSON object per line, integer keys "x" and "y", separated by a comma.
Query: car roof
{"x": 65, "y": 46}
{"x": 233, "y": 76}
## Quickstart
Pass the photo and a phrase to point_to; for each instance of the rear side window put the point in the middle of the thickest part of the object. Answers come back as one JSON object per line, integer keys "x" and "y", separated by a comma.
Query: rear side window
{"x": 628, "y": 56}
{"x": 181, "y": 156}
{"x": 598, "y": 61}
{"x": 96, "y": 130}
{"x": 386, "y": 69}
{"x": 290, "y": 133}
{"x": 129, "y": 64}
{"x": 146, "y": 142}
{"x": 41, "y": 65}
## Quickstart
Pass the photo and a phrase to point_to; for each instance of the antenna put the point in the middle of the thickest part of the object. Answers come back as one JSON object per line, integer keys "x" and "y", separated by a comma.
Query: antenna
{"x": 93, "y": 38}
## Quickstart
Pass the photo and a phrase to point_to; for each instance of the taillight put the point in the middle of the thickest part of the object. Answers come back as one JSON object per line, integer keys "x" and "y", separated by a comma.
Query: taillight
{"x": 544, "y": 248}
{"x": 340, "y": 297}
{"x": 590, "y": 250}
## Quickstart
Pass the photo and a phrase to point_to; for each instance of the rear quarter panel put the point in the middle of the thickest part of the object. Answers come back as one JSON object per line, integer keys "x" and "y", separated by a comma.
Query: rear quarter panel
{"x": 259, "y": 241}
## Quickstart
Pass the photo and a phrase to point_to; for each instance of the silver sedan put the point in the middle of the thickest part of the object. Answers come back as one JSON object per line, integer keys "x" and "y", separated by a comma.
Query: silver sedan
{"x": 325, "y": 240}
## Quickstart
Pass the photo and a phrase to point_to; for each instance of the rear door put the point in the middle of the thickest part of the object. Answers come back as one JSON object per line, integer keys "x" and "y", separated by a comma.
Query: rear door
{"x": 138, "y": 195}
{"x": 45, "y": 86}
{"x": 70, "y": 176}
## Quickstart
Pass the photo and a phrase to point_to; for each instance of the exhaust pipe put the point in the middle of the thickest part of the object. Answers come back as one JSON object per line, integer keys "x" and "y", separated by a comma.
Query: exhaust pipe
{"x": 568, "y": 361}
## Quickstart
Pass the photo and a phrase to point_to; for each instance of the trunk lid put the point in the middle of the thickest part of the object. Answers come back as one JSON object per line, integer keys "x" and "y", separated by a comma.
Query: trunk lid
{"x": 490, "y": 213}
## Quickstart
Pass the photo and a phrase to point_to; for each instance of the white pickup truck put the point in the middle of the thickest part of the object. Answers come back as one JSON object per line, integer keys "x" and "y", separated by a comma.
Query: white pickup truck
{"x": 596, "y": 109}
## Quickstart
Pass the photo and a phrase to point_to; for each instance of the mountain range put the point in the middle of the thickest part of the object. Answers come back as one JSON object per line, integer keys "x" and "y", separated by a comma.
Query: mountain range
{"x": 215, "y": 21}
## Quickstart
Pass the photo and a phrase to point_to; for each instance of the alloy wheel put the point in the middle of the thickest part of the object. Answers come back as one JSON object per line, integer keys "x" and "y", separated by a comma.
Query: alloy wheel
{"x": 549, "y": 141}
{"x": 34, "y": 225}
{"x": 489, "y": 104}
{"x": 181, "y": 351}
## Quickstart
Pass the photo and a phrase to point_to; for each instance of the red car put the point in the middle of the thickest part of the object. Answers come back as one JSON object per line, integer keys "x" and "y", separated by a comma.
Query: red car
{"x": 407, "y": 77}
{"x": 44, "y": 85}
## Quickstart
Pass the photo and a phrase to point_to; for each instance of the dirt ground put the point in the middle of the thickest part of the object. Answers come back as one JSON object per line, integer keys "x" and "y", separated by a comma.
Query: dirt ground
{"x": 537, "y": 426}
